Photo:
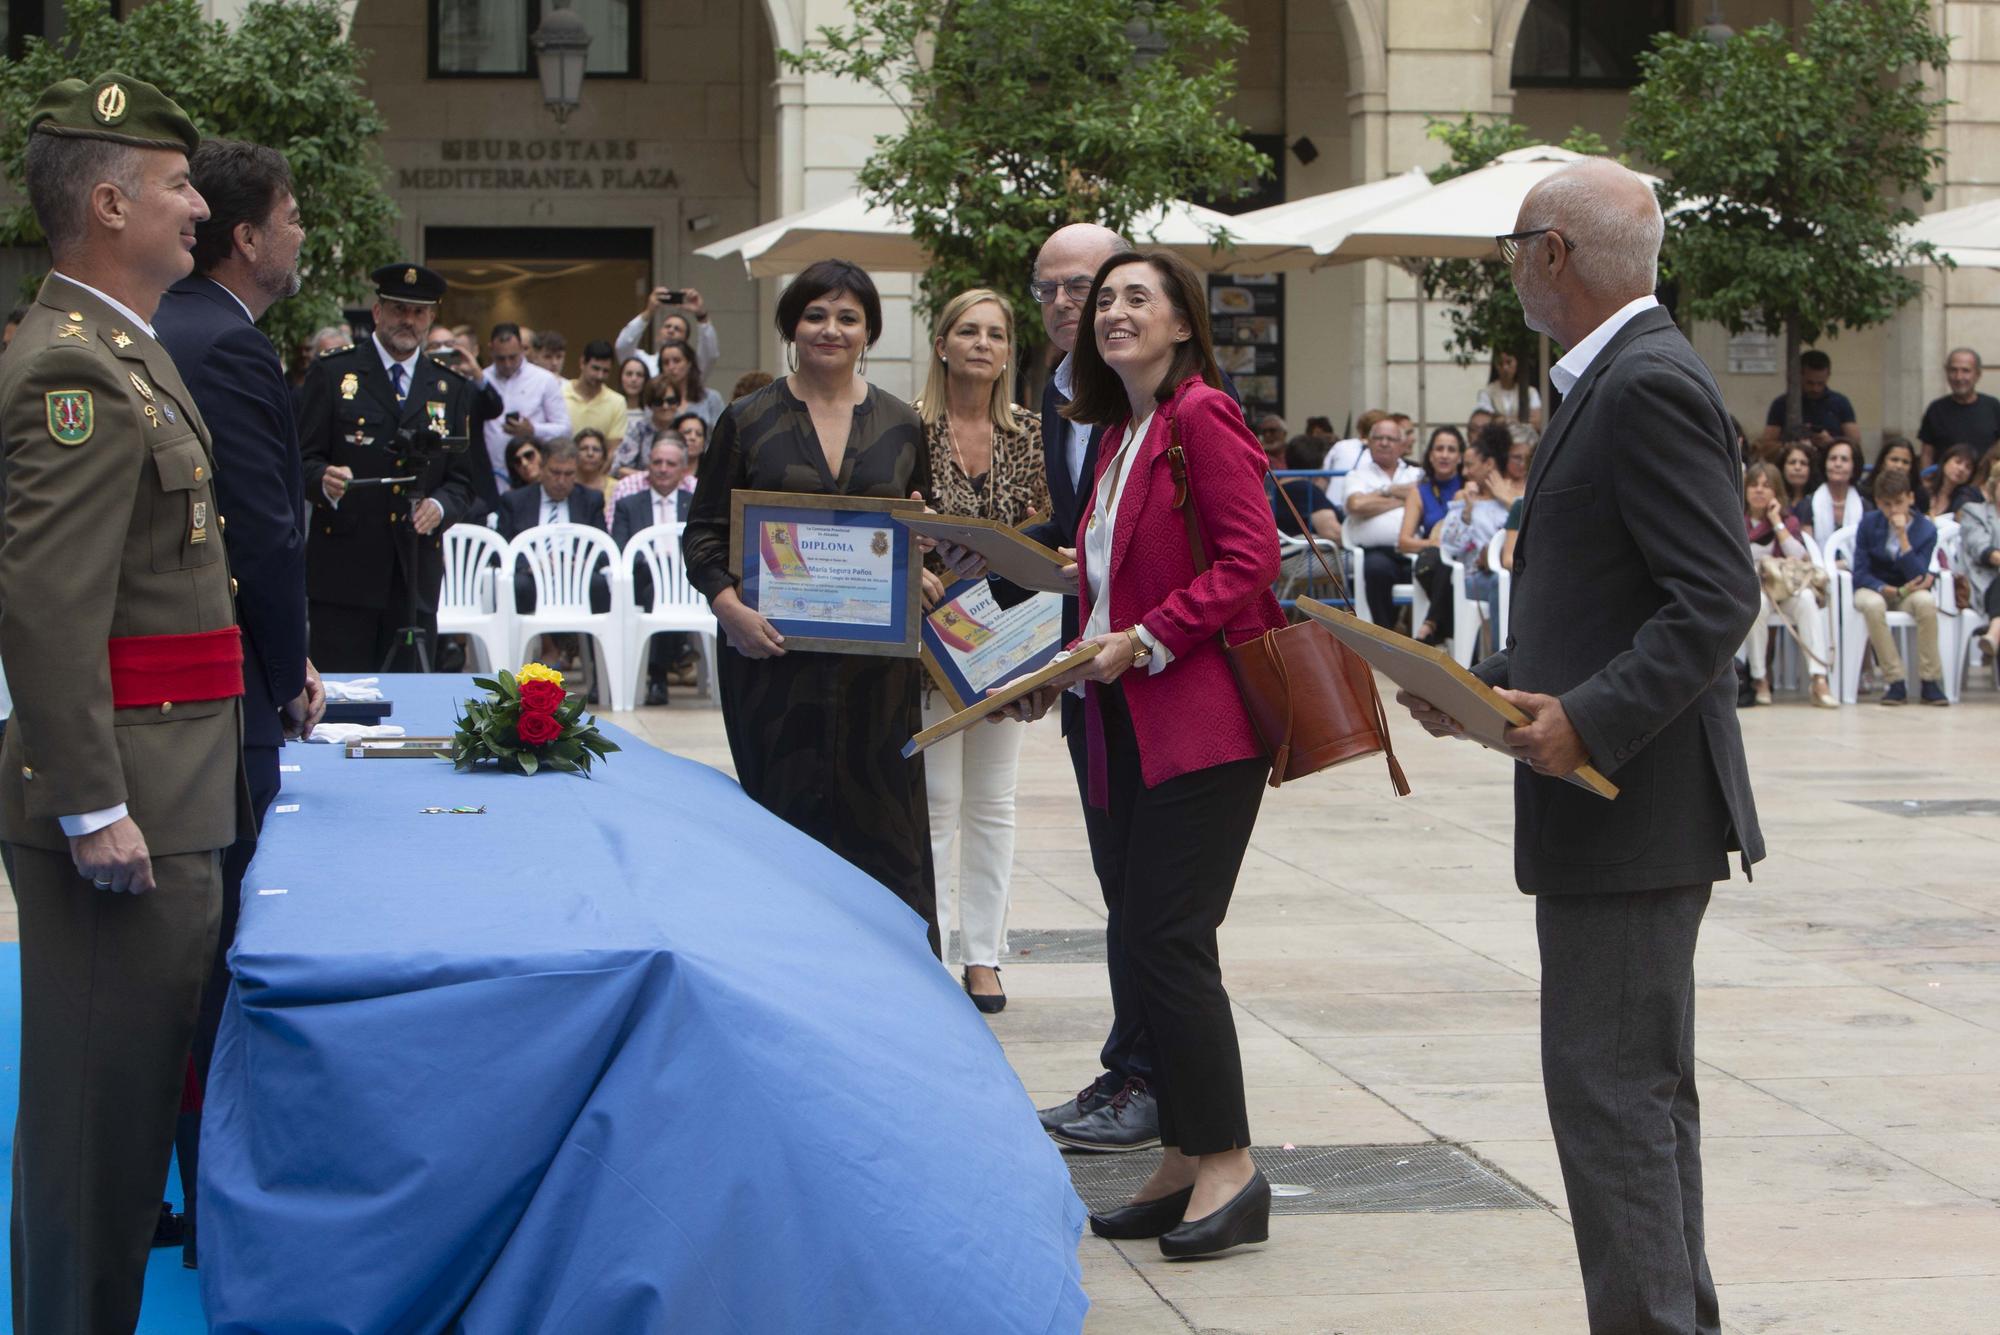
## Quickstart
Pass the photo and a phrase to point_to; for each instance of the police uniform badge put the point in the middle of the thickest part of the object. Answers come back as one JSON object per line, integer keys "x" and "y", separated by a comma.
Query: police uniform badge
{"x": 72, "y": 415}
{"x": 350, "y": 384}
{"x": 435, "y": 412}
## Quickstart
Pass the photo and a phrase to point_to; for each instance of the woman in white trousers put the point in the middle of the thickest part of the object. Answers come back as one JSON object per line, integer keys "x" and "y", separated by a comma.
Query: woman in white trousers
{"x": 1775, "y": 532}
{"x": 986, "y": 460}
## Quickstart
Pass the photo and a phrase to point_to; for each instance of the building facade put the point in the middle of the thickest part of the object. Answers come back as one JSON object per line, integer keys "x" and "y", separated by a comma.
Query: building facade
{"x": 690, "y": 129}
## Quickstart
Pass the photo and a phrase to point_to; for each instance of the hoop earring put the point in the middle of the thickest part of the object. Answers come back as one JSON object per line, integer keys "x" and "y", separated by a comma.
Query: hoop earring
{"x": 792, "y": 357}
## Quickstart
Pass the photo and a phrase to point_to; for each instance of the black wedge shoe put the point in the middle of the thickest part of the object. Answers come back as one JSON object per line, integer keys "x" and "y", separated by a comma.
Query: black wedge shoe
{"x": 1148, "y": 1219}
{"x": 990, "y": 1005}
{"x": 1245, "y": 1219}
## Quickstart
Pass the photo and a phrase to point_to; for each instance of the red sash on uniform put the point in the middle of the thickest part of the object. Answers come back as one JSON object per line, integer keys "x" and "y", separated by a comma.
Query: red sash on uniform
{"x": 148, "y": 670}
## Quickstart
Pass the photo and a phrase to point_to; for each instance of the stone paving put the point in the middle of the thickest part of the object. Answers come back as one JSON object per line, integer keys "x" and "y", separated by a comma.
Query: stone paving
{"x": 1383, "y": 969}
{"x": 1384, "y": 973}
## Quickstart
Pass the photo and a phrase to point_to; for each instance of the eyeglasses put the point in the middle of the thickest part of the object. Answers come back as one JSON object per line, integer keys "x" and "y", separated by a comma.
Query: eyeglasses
{"x": 1044, "y": 290}
{"x": 1510, "y": 245}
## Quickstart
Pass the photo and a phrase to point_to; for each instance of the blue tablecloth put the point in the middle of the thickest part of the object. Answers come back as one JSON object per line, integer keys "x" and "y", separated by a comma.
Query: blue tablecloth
{"x": 622, "y": 1055}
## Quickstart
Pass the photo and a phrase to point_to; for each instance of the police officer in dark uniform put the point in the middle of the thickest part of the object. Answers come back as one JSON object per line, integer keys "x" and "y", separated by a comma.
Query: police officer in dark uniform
{"x": 384, "y": 442}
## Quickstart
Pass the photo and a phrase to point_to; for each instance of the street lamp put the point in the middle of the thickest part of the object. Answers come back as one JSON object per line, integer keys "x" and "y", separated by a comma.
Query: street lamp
{"x": 561, "y": 44}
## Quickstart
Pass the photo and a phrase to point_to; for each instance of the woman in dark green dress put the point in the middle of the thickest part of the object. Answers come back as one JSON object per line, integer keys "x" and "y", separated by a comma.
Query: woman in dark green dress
{"x": 817, "y": 738}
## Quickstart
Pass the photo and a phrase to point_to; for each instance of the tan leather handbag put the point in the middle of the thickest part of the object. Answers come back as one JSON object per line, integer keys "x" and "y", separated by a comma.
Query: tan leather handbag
{"x": 1312, "y": 699}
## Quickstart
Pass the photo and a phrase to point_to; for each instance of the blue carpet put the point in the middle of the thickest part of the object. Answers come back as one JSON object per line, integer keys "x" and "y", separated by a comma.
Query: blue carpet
{"x": 173, "y": 1295}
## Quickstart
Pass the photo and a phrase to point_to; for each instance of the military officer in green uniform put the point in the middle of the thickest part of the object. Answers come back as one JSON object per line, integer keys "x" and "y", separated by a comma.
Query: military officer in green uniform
{"x": 119, "y": 776}
{"x": 388, "y": 467}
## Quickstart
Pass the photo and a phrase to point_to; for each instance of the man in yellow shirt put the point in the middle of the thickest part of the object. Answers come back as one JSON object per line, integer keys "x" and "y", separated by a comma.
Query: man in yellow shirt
{"x": 591, "y": 402}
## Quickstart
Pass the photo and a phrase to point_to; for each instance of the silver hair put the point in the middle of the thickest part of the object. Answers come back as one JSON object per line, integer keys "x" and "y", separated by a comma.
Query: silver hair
{"x": 62, "y": 170}
{"x": 555, "y": 448}
{"x": 1616, "y": 247}
{"x": 1978, "y": 362}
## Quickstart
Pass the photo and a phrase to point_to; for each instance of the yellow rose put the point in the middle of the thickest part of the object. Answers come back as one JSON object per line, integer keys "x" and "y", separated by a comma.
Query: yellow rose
{"x": 538, "y": 672}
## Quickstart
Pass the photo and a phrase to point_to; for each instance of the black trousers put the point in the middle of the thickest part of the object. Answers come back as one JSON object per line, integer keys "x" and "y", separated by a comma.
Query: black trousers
{"x": 1618, "y": 1069}
{"x": 1382, "y": 569}
{"x": 260, "y": 768}
{"x": 1172, "y": 856}
{"x": 1128, "y": 1049}
{"x": 359, "y": 639}
{"x": 1443, "y": 612}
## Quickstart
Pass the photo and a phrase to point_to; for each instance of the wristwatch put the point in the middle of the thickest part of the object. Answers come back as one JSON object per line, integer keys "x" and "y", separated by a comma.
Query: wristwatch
{"x": 1142, "y": 653}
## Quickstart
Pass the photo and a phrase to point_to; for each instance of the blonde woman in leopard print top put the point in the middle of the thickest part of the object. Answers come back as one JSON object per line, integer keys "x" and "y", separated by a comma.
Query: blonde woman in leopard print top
{"x": 986, "y": 460}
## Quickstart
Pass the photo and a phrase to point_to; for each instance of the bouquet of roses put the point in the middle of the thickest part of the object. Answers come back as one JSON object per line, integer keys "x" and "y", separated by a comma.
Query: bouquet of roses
{"x": 528, "y": 722}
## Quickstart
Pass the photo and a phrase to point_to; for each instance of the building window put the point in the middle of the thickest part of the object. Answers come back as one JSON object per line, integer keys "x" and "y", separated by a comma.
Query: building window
{"x": 488, "y": 39}
{"x": 1586, "y": 44}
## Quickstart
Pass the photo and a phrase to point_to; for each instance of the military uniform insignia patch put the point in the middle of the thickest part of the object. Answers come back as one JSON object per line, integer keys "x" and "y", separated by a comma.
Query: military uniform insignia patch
{"x": 121, "y": 338}
{"x": 350, "y": 385}
{"x": 72, "y": 415}
{"x": 74, "y": 331}
{"x": 198, "y": 523}
{"x": 435, "y": 411}
{"x": 145, "y": 390}
{"x": 111, "y": 104}
{"x": 409, "y": 275}
{"x": 168, "y": 409}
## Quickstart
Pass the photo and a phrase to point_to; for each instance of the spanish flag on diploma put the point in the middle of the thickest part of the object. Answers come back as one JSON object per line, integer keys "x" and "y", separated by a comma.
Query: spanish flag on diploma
{"x": 781, "y": 551}
{"x": 958, "y": 630}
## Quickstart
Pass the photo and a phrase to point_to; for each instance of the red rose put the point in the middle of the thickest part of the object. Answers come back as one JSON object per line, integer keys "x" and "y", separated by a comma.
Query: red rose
{"x": 537, "y": 729}
{"x": 541, "y": 697}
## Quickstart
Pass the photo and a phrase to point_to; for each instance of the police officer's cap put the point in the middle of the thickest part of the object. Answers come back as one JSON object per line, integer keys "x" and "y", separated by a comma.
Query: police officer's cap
{"x": 411, "y": 284}
{"x": 113, "y": 106}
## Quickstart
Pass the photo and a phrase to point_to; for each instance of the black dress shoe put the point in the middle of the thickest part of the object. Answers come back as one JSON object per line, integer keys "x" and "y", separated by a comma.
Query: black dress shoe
{"x": 167, "y": 1229}
{"x": 1129, "y": 1121}
{"x": 1088, "y": 1100}
{"x": 1148, "y": 1219}
{"x": 656, "y": 694}
{"x": 1247, "y": 1218}
{"x": 990, "y": 1005}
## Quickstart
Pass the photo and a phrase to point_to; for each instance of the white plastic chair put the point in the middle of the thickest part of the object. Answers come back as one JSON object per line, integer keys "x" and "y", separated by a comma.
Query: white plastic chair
{"x": 677, "y": 607}
{"x": 1852, "y": 627}
{"x": 1505, "y": 595}
{"x": 1468, "y": 614}
{"x": 470, "y": 601}
{"x": 561, "y": 560}
{"x": 1789, "y": 664}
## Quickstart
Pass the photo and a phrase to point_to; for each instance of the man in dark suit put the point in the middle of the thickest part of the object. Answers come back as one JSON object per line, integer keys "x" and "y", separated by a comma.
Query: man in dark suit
{"x": 662, "y": 502}
{"x": 1632, "y": 589}
{"x": 388, "y": 467}
{"x": 555, "y": 499}
{"x": 245, "y": 261}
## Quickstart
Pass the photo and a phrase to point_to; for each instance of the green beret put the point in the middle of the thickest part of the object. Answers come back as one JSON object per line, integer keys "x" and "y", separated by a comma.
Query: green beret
{"x": 116, "y": 107}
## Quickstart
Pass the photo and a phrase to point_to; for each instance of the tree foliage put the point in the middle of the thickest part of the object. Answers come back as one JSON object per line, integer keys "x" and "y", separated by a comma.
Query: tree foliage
{"x": 1790, "y": 165}
{"x": 1025, "y": 115}
{"x": 285, "y": 76}
{"x": 1485, "y": 314}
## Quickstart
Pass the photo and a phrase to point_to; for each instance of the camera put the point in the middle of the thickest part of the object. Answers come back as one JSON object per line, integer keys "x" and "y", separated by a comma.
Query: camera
{"x": 673, "y": 296}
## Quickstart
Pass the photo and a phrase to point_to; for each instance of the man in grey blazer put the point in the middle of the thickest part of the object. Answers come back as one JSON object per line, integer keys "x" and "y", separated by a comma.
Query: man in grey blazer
{"x": 1632, "y": 589}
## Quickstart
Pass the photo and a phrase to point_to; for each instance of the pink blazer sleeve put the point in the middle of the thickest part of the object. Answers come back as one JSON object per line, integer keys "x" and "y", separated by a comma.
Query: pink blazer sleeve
{"x": 1226, "y": 474}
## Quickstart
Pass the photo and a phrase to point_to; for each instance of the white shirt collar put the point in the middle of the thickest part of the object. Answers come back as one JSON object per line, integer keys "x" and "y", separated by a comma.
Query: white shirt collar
{"x": 548, "y": 500}
{"x": 1565, "y": 373}
{"x": 238, "y": 300}
{"x": 1065, "y": 376}
{"x": 409, "y": 364}
{"x": 112, "y": 302}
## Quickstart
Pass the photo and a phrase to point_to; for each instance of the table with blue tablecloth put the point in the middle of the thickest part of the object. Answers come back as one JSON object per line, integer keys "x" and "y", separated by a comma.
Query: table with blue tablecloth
{"x": 623, "y": 1054}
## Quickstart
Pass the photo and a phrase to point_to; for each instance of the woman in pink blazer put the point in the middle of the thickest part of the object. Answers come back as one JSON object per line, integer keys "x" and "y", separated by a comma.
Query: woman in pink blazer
{"x": 1174, "y": 758}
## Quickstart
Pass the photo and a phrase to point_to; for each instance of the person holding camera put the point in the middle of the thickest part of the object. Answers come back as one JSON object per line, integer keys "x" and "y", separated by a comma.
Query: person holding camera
{"x": 531, "y": 397}
{"x": 384, "y": 446}
{"x": 672, "y": 327}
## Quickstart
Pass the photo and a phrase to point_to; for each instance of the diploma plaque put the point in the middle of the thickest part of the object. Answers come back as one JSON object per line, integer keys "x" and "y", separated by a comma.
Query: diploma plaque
{"x": 834, "y": 574}
{"x": 972, "y": 644}
{"x": 1429, "y": 673}
{"x": 1009, "y": 553}
{"x": 981, "y": 710}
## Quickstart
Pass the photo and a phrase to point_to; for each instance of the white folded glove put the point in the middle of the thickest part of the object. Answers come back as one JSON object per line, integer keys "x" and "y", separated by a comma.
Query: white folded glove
{"x": 340, "y": 734}
{"x": 361, "y": 690}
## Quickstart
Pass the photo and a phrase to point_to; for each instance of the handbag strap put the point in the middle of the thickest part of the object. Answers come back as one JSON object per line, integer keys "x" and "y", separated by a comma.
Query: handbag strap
{"x": 1183, "y": 493}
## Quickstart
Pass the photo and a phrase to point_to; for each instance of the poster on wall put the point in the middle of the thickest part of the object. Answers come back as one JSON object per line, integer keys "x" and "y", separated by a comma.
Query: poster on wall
{"x": 1247, "y": 316}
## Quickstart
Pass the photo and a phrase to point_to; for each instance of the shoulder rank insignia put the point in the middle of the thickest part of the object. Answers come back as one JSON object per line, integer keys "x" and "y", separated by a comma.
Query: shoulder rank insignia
{"x": 350, "y": 384}
{"x": 74, "y": 331}
{"x": 72, "y": 416}
{"x": 121, "y": 338}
